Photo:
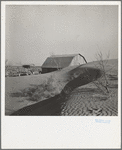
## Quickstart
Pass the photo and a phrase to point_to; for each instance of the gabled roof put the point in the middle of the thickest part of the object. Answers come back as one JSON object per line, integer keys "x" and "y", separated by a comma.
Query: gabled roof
{"x": 58, "y": 61}
{"x": 65, "y": 55}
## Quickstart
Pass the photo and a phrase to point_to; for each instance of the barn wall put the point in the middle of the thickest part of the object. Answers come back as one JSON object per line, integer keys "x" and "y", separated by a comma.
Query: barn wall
{"x": 77, "y": 60}
{"x": 47, "y": 70}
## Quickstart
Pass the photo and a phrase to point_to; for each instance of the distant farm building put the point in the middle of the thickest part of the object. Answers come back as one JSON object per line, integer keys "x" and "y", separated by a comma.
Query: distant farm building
{"x": 57, "y": 62}
{"x": 28, "y": 66}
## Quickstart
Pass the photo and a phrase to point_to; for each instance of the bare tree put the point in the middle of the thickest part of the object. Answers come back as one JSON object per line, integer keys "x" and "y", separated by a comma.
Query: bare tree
{"x": 6, "y": 61}
{"x": 6, "y": 67}
{"x": 102, "y": 65}
{"x": 102, "y": 83}
{"x": 6, "y": 64}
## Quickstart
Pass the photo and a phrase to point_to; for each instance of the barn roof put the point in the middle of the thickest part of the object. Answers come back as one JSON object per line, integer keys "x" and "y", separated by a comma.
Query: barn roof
{"x": 58, "y": 61}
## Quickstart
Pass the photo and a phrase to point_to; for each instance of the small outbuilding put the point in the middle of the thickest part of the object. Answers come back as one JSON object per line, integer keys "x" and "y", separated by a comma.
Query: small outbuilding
{"x": 28, "y": 66}
{"x": 56, "y": 62}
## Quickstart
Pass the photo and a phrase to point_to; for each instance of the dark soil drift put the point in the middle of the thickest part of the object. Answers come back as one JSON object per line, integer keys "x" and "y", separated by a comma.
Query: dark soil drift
{"x": 52, "y": 106}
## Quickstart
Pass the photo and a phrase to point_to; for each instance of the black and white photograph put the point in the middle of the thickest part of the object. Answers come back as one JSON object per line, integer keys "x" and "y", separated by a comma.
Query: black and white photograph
{"x": 62, "y": 60}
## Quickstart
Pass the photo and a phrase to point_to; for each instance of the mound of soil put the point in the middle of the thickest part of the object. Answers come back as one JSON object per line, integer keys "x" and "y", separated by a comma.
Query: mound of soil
{"x": 72, "y": 92}
{"x": 52, "y": 106}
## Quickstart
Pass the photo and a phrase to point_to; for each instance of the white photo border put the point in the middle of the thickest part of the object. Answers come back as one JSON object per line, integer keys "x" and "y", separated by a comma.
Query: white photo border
{"x": 58, "y": 132}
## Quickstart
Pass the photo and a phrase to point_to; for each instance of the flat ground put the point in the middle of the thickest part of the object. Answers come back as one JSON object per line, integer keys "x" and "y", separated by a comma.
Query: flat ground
{"x": 14, "y": 86}
{"x": 84, "y": 100}
{"x": 89, "y": 100}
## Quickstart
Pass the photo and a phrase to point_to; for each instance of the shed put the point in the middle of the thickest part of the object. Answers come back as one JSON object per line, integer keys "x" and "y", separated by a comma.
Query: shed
{"x": 56, "y": 62}
{"x": 28, "y": 65}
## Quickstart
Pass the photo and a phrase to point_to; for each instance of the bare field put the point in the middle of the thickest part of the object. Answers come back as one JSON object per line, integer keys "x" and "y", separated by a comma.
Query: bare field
{"x": 86, "y": 100}
{"x": 19, "y": 90}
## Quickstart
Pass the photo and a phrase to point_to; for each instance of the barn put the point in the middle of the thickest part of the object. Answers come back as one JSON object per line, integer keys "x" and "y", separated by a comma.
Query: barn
{"x": 56, "y": 62}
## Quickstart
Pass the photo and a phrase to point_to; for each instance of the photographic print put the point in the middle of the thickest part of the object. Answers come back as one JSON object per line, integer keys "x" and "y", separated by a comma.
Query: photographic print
{"x": 61, "y": 73}
{"x": 61, "y": 60}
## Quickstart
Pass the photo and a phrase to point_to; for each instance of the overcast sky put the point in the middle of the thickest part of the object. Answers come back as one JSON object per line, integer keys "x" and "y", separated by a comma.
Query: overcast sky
{"x": 35, "y": 32}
